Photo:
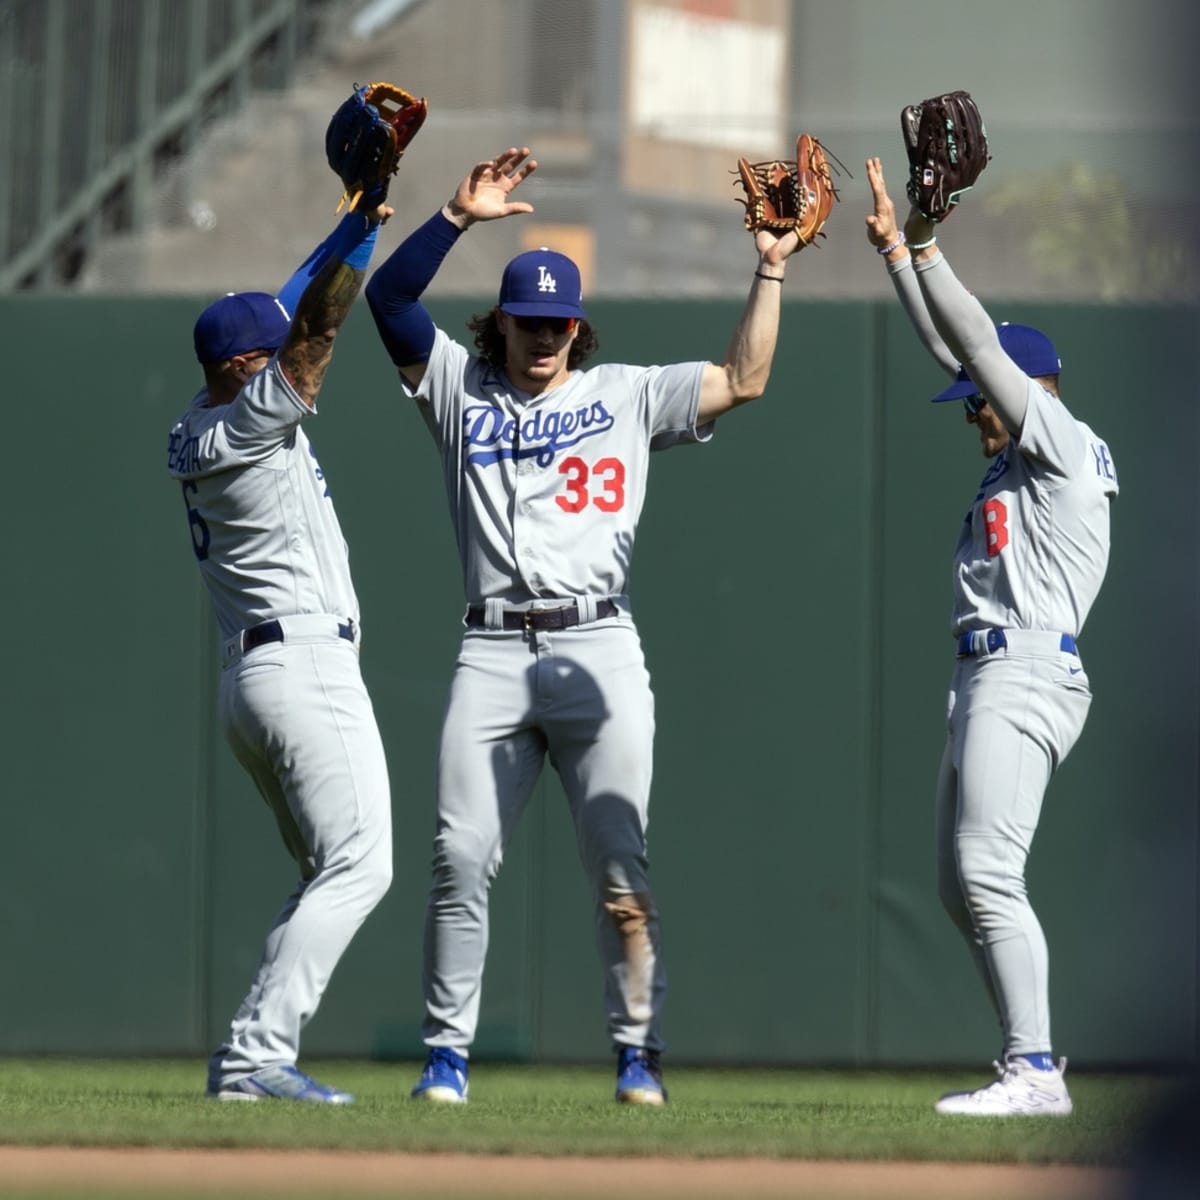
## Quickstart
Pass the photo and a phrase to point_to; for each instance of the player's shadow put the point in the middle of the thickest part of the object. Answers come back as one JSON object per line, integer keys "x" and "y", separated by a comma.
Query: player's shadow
{"x": 1166, "y": 1159}
{"x": 565, "y": 715}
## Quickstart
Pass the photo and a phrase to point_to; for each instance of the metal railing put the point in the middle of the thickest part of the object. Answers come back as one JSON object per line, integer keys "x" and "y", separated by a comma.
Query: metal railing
{"x": 99, "y": 97}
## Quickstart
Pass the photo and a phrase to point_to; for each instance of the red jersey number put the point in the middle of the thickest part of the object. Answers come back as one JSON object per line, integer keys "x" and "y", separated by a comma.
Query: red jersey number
{"x": 607, "y": 490}
{"x": 995, "y": 516}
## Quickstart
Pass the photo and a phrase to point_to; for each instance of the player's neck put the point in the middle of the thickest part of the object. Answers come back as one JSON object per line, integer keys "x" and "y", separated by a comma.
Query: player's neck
{"x": 218, "y": 395}
{"x": 535, "y": 386}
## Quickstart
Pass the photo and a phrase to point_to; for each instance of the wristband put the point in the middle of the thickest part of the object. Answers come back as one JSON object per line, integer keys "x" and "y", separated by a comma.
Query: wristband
{"x": 922, "y": 245}
{"x": 772, "y": 278}
{"x": 360, "y": 256}
{"x": 900, "y": 240}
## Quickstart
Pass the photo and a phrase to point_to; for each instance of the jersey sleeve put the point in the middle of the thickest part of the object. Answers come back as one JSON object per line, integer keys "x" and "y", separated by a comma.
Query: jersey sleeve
{"x": 1050, "y": 435}
{"x": 671, "y": 396}
{"x": 247, "y": 431}
{"x": 964, "y": 325}
{"x": 440, "y": 392}
{"x": 264, "y": 414}
{"x": 908, "y": 292}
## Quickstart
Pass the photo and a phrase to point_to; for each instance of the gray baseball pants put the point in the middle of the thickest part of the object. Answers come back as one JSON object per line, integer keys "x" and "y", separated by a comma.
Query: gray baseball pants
{"x": 300, "y": 721}
{"x": 1012, "y": 719}
{"x": 581, "y": 696}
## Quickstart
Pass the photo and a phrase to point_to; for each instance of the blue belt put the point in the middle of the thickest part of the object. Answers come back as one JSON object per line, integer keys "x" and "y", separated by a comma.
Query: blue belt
{"x": 995, "y": 640}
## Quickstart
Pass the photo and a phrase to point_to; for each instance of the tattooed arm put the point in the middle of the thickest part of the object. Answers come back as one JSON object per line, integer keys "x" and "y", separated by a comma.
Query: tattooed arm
{"x": 325, "y": 304}
{"x": 337, "y": 270}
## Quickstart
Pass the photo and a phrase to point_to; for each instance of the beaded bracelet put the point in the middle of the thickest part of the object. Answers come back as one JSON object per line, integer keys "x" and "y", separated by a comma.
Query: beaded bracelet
{"x": 923, "y": 245}
{"x": 900, "y": 240}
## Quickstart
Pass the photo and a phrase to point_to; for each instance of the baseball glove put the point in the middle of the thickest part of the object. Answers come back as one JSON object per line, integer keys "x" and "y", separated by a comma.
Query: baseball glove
{"x": 366, "y": 137}
{"x": 783, "y": 196}
{"x": 947, "y": 149}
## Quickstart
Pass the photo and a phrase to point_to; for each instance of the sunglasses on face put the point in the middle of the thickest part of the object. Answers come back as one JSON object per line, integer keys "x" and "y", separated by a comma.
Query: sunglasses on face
{"x": 974, "y": 403}
{"x": 556, "y": 325}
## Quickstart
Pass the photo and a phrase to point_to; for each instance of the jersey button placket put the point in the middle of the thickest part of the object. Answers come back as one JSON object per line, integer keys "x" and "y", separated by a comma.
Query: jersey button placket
{"x": 525, "y": 546}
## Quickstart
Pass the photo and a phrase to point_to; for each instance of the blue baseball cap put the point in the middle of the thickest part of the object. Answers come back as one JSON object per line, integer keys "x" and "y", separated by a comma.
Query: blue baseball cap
{"x": 1029, "y": 348}
{"x": 237, "y": 323}
{"x": 542, "y": 283}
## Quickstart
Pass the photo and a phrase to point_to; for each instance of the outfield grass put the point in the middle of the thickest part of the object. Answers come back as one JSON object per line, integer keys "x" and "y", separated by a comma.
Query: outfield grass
{"x": 553, "y": 1111}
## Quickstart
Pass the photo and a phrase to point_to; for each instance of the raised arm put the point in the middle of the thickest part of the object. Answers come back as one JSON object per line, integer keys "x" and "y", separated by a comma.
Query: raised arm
{"x": 966, "y": 328}
{"x": 787, "y": 205}
{"x": 744, "y": 373}
{"x": 884, "y": 234}
{"x": 405, "y": 326}
{"x": 340, "y": 267}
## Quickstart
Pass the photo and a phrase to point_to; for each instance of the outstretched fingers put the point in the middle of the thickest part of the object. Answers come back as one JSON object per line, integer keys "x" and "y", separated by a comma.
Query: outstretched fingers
{"x": 517, "y": 166}
{"x": 881, "y": 224}
{"x": 515, "y": 162}
{"x": 484, "y": 193}
{"x": 510, "y": 166}
{"x": 875, "y": 178}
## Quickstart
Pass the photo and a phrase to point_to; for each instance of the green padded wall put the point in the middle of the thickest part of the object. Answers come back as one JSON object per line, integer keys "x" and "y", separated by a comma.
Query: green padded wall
{"x": 792, "y": 590}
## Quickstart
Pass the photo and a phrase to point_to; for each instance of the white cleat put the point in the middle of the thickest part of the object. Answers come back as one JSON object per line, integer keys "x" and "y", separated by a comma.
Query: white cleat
{"x": 1021, "y": 1091}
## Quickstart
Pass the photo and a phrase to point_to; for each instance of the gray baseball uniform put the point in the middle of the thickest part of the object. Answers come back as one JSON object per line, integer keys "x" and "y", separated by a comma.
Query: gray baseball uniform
{"x": 292, "y": 701}
{"x": 545, "y": 494}
{"x": 1029, "y": 563}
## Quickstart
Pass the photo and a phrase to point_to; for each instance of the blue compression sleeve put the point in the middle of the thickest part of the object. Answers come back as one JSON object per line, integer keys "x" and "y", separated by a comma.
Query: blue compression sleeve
{"x": 352, "y": 242}
{"x": 405, "y": 326}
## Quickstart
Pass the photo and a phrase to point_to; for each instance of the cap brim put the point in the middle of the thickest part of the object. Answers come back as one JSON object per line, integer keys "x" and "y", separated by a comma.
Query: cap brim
{"x": 543, "y": 308}
{"x": 958, "y": 390}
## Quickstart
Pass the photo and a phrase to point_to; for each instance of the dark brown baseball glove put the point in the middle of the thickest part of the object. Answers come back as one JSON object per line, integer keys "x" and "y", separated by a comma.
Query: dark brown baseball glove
{"x": 947, "y": 149}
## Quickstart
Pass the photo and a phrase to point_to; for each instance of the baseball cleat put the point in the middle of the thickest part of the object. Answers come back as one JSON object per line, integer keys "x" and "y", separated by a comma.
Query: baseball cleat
{"x": 444, "y": 1080}
{"x": 279, "y": 1083}
{"x": 1020, "y": 1091}
{"x": 639, "y": 1077}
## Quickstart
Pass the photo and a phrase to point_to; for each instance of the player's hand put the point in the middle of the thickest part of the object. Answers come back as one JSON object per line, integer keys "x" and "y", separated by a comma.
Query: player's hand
{"x": 484, "y": 194}
{"x": 881, "y": 224}
{"x": 774, "y": 247}
{"x": 380, "y": 215}
{"x": 919, "y": 229}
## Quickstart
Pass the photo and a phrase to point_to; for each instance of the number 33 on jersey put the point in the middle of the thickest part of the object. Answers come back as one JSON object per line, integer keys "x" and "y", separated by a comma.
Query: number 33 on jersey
{"x": 546, "y": 491}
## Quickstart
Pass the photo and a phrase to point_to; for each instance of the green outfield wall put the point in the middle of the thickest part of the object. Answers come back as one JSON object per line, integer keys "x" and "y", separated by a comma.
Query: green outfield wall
{"x": 792, "y": 585}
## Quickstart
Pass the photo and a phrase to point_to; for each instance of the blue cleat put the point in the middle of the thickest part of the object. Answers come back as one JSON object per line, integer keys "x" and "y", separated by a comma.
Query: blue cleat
{"x": 444, "y": 1080}
{"x": 639, "y": 1077}
{"x": 278, "y": 1083}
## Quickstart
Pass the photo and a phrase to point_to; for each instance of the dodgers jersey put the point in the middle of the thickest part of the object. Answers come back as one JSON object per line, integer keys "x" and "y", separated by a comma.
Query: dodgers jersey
{"x": 1034, "y": 547}
{"x": 545, "y": 491}
{"x": 263, "y": 526}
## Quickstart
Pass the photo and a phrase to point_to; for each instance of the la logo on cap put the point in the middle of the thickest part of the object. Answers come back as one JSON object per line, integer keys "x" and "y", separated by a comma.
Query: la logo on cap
{"x": 542, "y": 283}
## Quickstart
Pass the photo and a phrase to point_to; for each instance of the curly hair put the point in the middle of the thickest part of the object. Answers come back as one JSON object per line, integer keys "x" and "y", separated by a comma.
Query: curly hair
{"x": 489, "y": 341}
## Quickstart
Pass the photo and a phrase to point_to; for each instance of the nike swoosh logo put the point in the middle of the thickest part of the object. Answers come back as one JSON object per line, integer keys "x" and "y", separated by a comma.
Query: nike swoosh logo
{"x": 1074, "y": 670}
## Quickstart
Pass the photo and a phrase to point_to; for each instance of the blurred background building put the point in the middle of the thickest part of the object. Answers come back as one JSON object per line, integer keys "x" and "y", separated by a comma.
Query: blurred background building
{"x": 177, "y": 146}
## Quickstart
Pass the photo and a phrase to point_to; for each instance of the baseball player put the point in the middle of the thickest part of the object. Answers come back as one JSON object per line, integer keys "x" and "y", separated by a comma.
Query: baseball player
{"x": 1031, "y": 556}
{"x": 545, "y": 468}
{"x": 292, "y": 702}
